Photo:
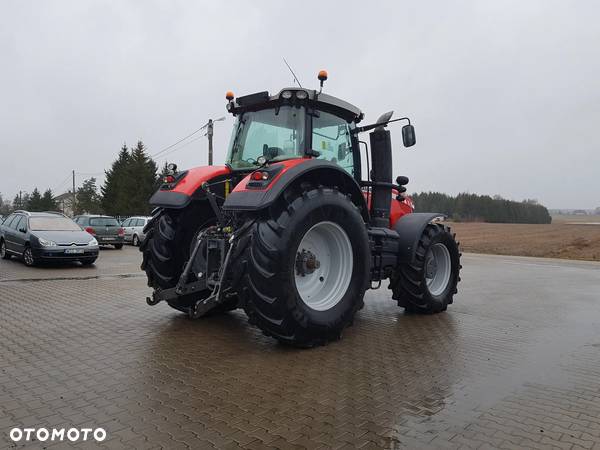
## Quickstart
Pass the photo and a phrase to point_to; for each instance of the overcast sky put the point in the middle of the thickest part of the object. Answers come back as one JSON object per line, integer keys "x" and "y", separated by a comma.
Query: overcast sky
{"x": 504, "y": 95}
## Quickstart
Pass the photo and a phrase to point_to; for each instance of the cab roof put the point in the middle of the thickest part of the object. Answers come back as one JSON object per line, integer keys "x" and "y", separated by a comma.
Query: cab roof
{"x": 320, "y": 101}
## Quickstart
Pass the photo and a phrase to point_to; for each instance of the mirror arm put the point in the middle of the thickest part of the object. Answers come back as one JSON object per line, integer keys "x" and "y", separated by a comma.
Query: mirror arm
{"x": 380, "y": 124}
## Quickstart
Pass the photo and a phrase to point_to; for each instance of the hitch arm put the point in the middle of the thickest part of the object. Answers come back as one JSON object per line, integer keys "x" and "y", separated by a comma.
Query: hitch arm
{"x": 213, "y": 204}
{"x": 180, "y": 288}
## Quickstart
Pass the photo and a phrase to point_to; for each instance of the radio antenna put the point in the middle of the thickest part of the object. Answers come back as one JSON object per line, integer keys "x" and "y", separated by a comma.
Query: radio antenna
{"x": 293, "y": 74}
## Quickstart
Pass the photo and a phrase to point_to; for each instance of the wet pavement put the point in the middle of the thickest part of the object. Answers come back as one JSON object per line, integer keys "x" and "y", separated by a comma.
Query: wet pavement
{"x": 514, "y": 363}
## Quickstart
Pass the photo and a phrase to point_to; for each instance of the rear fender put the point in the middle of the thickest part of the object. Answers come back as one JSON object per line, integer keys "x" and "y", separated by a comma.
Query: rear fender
{"x": 410, "y": 227}
{"x": 316, "y": 171}
{"x": 181, "y": 194}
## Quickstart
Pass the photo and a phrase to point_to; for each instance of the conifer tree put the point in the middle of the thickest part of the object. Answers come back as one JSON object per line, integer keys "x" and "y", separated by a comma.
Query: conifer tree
{"x": 34, "y": 202}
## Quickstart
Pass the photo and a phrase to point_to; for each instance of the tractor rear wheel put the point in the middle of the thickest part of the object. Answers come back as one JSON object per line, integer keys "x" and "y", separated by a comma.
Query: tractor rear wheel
{"x": 428, "y": 284}
{"x": 306, "y": 268}
{"x": 169, "y": 241}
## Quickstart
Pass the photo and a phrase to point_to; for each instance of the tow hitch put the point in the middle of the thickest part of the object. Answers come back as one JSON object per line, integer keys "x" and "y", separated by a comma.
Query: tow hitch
{"x": 216, "y": 243}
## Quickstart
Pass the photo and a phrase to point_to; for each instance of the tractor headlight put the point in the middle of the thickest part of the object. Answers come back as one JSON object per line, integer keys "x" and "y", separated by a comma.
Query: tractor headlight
{"x": 301, "y": 95}
{"x": 93, "y": 242}
{"x": 286, "y": 95}
{"x": 46, "y": 243}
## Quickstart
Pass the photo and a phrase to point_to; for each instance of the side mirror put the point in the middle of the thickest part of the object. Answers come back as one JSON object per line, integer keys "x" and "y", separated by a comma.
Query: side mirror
{"x": 408, "y": 135}
{"x": 23, "y": 230}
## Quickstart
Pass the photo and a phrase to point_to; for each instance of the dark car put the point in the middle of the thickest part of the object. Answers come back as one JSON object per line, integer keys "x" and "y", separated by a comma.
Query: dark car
{"x": 105, "y": 229}
{"x": 45, "y": 236}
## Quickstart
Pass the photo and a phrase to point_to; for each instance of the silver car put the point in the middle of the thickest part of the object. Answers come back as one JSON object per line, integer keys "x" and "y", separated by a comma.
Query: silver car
{"x": 134, "y": 229}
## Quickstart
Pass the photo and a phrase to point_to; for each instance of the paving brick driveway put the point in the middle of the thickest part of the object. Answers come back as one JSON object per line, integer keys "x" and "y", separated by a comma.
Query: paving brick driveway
{"x": 515, "y": 363}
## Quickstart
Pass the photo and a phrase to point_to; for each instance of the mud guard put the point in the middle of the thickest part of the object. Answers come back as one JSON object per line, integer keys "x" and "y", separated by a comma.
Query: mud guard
{"x": 410, "y": 227}
{"x": 188, "y": 186}
{"x": 325, "y": 172}
{"x": 170, "y": 199}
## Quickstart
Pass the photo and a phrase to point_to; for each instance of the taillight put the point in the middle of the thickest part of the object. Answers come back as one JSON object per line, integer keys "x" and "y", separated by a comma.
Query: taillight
{"x": 90, "y": 230}
{"x": 121, "y": 231}
{"x": 261, "y": 178}
{"x": 260, "y": 175}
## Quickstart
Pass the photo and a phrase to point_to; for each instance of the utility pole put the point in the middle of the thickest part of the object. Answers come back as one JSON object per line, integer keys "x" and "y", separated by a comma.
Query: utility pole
{"x": 209, "y": 133}
{"x": 74, "y": 196}
{"x": 20, "y": 200}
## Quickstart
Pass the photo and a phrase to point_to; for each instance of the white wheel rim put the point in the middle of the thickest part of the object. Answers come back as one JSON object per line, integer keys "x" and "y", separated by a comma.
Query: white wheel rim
{"x": 322, "y": 287}
{"x": 438, "y": 268}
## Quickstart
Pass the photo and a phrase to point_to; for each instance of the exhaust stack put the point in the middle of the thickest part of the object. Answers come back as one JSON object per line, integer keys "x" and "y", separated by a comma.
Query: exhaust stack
{"x": 381, "y": 156}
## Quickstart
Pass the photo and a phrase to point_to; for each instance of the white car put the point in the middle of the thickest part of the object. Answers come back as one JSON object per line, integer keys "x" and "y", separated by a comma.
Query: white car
{"x": 134, "y": 229}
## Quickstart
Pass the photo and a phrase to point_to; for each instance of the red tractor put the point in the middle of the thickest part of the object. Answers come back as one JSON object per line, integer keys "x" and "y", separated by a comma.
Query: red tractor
{"x": 290, "y": 230}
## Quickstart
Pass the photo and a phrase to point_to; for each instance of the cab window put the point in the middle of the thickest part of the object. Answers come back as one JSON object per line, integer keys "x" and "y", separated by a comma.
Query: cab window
{"x": 126, "y": 223}
{"x": 331, "y": 138}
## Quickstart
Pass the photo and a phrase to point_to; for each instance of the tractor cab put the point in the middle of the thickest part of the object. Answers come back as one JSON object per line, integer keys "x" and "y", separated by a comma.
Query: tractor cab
{"x": 295, "y": 123}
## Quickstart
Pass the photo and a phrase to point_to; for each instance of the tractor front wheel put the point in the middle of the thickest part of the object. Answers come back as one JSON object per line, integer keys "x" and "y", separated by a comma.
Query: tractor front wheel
{"x": 428, "y": 284}
{"x": 306, "y": 268}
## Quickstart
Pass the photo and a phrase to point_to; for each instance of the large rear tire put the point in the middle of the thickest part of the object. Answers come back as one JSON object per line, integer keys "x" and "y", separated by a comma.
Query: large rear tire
{"x": 168, "y": 244}
{"x": 306, "y": 268}
{"x": 428, "y": 284}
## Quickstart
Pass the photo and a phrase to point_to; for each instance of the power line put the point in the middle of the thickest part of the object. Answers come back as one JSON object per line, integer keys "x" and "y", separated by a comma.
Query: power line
{"x": 90, "y": 174}
{"x": 207, "y": 124}
{"x": 180, "y": 140}
{"x": 183, "y": 146}
{"x": 62, "y": 182}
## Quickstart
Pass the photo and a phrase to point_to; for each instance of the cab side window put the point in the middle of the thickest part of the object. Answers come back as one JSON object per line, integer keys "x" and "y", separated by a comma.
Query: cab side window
{"x": 332, "y": 139}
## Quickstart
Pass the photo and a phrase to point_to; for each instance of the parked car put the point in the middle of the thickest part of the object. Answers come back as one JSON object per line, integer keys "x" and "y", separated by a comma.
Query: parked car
{"x": 105, "y": 229}
{"x": 45, "y": 236}
{"x": 134, "y": 229}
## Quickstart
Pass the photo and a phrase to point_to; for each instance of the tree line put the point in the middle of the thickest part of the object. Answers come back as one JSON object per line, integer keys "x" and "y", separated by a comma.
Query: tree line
{"x": 129, "y": 183}
{"x": 481, "y": 208}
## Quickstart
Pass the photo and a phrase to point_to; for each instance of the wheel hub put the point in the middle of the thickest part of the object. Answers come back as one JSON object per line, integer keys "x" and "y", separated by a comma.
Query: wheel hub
{"x": 431, "y": 268}
{"x": 438, "y": 269}
{"x": 306, "y": 263}
{"x": 323, "y": 266}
